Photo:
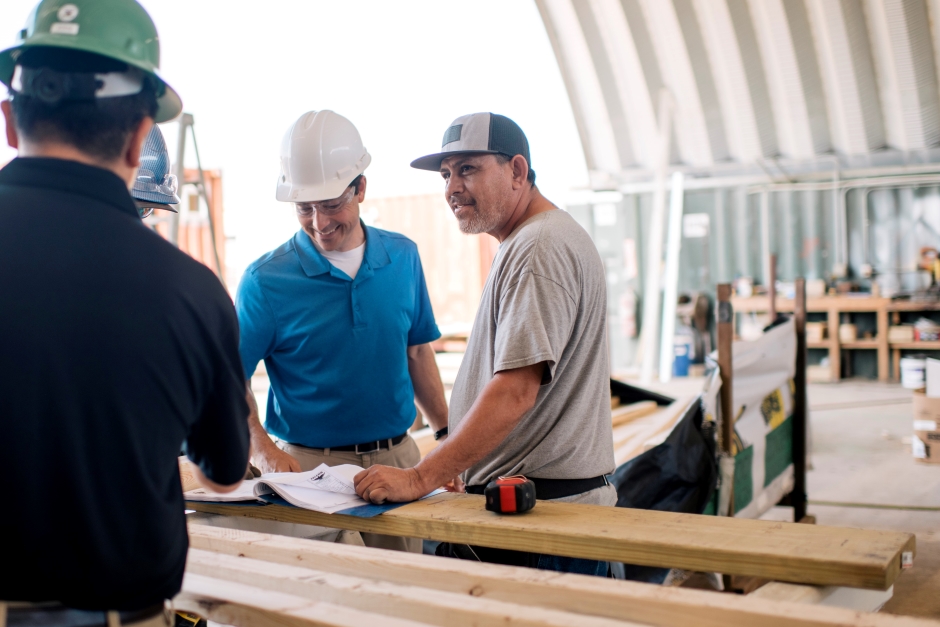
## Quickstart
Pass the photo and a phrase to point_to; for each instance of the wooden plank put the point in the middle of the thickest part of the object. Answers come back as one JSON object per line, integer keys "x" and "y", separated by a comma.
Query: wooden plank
{"x": 817, "y": 305}
{"x": 640, "y": 434}
{"x": 359, "y": 592}
{"x": 242, "y": 605}
{"x": 798, "y": 494}
{"x": 834, "y": 596}
{"x": 625, "y": 600}
{"x": 628, "y": 413}
{"x": 725, "y": 315}
{"x": 773, "y": 550}
{"x": 835, "y": 351}
{"x": 882, "y": 339}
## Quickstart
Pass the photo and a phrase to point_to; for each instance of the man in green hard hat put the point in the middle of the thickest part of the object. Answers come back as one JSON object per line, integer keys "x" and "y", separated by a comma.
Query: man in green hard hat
{"x": 115, "y": 347}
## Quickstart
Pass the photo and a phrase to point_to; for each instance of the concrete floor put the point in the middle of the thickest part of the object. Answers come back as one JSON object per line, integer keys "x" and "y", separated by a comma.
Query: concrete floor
{"x": 861, "y": 457}
{"x": 861, "y": 447}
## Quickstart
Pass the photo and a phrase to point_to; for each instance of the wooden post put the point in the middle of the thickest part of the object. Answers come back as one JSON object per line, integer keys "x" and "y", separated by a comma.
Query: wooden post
{"x": 798, "y": 496}
{"x": 725, "y": 313}
{"x": 725, "y": 339}
{"x": 772, "y": 289}
{"x": 883, "y": 347}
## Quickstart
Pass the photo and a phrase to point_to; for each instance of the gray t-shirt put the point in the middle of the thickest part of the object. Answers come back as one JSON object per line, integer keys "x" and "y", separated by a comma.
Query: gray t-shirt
{"x": 545, "y": 301}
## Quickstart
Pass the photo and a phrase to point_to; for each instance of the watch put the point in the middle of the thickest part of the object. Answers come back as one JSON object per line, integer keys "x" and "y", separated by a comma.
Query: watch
{"x": 440, "y": 434}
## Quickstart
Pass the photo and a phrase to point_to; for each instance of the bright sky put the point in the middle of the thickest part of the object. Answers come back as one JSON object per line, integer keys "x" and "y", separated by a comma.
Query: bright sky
{"x": 401, "y": 71}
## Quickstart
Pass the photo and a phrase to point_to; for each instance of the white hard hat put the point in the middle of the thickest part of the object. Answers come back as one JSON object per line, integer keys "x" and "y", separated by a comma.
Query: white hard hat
{"x": 321, "y": 154}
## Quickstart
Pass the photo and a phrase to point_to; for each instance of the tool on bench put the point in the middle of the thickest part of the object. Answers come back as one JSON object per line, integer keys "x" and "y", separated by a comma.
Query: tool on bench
{"x": 510, "y": 495}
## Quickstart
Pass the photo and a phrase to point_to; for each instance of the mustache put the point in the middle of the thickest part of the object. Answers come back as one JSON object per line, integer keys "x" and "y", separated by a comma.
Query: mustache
{"x": 460, "y": 200}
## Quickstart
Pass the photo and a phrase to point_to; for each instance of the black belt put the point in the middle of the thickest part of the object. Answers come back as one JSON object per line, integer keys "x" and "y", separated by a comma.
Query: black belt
{"x": 368, "y": 447}
{"x": 547, "y": 489}
{"x": 56, "y": 615}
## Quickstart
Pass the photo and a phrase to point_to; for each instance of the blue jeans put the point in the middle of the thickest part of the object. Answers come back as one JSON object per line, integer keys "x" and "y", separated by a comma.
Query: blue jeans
{"x": 507, "y": 557}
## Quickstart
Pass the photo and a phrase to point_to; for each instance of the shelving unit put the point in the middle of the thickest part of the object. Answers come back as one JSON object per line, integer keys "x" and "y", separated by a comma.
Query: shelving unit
{"x": 833, "y": 307}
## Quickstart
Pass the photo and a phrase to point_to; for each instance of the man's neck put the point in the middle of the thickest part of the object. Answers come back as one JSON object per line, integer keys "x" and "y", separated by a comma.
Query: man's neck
{"x": 530, "y": 204}
{"x": 70, "y": 153}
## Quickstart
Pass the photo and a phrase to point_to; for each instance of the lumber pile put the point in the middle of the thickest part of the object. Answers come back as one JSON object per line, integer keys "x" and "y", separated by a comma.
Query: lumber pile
{"x": 243, "y": 578}
{"x": 643, "y": 428}
{"x": 620, "y": 415}
{"x": 808, "y": 554}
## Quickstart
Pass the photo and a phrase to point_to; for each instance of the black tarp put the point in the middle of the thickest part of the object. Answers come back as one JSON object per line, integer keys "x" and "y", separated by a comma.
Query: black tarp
{"x": 679, "y": 475}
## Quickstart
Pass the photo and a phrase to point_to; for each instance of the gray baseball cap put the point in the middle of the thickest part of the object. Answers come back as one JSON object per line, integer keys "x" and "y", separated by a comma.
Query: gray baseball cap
{"x": 478, "y": 133}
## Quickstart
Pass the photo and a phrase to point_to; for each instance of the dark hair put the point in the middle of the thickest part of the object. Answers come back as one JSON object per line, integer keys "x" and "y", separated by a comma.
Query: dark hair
{"x": 99, "y": 127}
{"x": 355, "y": 183}
{"x": 504, "y": 159}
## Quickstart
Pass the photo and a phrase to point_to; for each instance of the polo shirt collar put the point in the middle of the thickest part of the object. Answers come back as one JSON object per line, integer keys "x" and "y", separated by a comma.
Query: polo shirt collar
{"x": 314, "y": 263}
{"x": 70, "y": 177}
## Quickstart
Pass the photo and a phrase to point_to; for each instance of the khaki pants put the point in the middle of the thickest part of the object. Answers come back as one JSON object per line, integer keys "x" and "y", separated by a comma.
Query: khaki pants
{"x": 404, "y": 455}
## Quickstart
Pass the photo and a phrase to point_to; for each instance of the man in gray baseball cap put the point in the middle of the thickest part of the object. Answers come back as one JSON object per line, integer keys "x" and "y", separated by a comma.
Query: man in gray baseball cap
{"x": 532, "y": 395}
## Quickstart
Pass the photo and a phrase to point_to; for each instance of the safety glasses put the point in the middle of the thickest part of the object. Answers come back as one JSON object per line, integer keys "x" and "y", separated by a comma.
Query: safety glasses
{"x": 327, "y": 207}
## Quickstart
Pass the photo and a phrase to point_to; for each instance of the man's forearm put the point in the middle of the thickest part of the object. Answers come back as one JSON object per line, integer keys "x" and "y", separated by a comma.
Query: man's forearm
{"x": 496, "y": 412}
{"x": 429, "y": 390}
{"x": 260, "y": 441}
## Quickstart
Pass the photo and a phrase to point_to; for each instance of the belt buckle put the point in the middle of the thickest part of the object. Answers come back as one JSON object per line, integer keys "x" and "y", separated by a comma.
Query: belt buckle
{"x": 378, "y": 446}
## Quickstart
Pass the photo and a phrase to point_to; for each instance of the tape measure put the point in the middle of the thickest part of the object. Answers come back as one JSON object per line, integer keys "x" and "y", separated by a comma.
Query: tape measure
{"x": 510, "y": 495}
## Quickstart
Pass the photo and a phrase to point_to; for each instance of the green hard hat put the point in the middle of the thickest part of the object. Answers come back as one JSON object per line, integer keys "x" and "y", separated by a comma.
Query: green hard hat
{"x": 118, "y": 29}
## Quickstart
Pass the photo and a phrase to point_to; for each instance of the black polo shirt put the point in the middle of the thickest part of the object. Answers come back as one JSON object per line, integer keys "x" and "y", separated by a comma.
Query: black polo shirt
{"x": 115, "y": 349}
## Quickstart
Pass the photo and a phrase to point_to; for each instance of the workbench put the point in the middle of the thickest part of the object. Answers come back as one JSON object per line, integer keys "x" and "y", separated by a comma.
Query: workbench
{"x": 771, "y": 550}
{"x": 833, "y": 306}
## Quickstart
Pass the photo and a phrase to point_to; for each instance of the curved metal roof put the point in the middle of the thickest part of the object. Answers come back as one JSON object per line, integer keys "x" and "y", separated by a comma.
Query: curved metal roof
{"x": 771, "y": 85}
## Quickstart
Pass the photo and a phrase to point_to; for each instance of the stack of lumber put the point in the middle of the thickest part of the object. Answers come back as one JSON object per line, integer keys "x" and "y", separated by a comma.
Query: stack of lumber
{"x": 620, "y": 416}
{"x": 806, "y": 554}
{"x": 641, "y": 426}
{"x": 243, "y": 578}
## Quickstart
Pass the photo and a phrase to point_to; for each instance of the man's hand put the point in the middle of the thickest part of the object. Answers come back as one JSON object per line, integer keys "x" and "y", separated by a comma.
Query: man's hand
{"x": 379, "y": 484}
{"x": 264, "y": 453}
{"x": 272, "y": 459}
{"x": 455, "y": 485}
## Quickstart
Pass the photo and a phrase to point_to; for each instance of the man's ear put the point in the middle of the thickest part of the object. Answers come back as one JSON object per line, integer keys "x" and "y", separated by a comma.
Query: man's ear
{"x": 520, "y": 171}
{"x": 136, "y": 143}
{"x": 362, "y": 189}
{"x": 13, "y": 140}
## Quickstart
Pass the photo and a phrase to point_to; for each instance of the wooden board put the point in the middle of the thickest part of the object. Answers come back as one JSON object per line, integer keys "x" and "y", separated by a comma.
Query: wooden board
{"x": 242, "y": 605}
{"x": 623, "y": 415}
{"x": 773, "y": 550}
{"x": 642, "y": 432}
{"x": 444, "y": 609}
{"x": 625, "y": 600}
{"x": 851, "y": 598}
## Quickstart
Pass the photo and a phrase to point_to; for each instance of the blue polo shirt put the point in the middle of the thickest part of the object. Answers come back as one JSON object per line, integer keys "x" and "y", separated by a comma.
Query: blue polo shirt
{"x": 336, "y": 348}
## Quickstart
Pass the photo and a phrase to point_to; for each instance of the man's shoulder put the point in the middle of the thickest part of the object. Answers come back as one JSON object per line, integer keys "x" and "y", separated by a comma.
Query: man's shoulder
{"x": 186, "y": 275}
{"x": 275, "y": 261}
{"x": 393, "y": 240}
{"x": 552, "y": 235}
{"x": 399, "y": 247}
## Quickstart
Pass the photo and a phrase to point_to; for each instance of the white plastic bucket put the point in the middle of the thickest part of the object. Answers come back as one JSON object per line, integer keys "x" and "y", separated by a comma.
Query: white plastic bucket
{"x": 912, "y": 372}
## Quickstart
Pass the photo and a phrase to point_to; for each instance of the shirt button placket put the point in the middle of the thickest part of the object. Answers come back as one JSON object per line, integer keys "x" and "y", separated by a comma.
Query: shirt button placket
{"x": 355, "y": 306}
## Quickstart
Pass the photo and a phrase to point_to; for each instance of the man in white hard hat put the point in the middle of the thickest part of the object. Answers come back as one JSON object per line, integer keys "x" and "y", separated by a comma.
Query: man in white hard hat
{"x": 532, "y": 394}
{"x": 340, "y": 315}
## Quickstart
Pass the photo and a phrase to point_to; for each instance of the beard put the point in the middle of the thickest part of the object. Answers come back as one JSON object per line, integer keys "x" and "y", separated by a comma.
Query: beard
{"x": 480, "y": 220}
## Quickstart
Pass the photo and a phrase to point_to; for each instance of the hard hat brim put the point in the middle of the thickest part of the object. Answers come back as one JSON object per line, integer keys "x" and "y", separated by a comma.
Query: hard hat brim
{"x": 146, "y": 204}
{"x": 433, "y": 162}
{"x": 169, "y": 103}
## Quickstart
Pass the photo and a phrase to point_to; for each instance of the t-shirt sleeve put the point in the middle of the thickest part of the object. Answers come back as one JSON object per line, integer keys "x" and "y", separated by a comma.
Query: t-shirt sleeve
{"x": 423, "y": 327}
{"x": 535, "y": 318}
{"x": 218, "y": 440}
{"x": 256, "y": 321}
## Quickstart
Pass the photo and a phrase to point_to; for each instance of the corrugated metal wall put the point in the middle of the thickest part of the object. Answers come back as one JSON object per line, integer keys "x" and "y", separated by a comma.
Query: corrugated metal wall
{"x": 886, "y": 229}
